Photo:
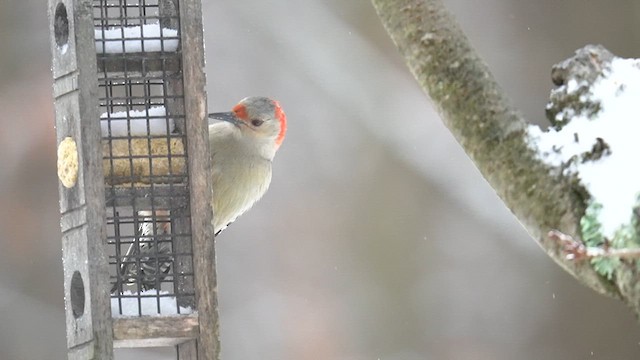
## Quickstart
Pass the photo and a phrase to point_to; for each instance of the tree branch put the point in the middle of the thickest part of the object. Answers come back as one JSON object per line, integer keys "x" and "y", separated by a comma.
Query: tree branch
{"x": 474, "y": 108}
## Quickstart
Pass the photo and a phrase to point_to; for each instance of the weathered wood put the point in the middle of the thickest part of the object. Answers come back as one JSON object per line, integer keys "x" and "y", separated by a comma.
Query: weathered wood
{"x": 154, "y": 331}
{"x": 174, "y": 88}
{"x": 91, "y": 331}
{"x": 82, "y": 208}
{"x": 188, "y": 350}
{"x": 199, "y": 163}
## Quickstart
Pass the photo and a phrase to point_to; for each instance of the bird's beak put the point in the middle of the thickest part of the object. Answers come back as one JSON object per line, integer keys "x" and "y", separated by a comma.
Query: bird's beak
{"x": 228, "y": 117}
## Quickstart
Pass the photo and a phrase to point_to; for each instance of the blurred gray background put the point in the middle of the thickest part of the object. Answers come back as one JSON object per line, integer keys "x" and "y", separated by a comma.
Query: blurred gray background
{"x": 378, "y": 238}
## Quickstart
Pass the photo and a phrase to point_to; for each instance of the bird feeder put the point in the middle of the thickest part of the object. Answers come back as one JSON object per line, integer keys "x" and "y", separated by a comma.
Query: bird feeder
{"x": 133, "y": 165}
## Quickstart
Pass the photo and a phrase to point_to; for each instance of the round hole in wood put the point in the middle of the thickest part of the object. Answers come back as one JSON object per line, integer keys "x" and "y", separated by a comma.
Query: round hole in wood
{"x": 61, "y": 26}
{"x": 77, "y": 295}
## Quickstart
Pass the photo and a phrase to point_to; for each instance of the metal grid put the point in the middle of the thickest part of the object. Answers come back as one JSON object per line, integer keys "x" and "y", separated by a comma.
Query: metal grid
{"x": 125, "y": 12}
{"x": 141, "y": 99}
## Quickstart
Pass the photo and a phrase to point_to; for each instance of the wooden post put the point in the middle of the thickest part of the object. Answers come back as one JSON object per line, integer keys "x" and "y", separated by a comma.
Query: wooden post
{"x": 81, "y": 187}
{"x": 150, "y": 179}
{"x": 199, "y": 163}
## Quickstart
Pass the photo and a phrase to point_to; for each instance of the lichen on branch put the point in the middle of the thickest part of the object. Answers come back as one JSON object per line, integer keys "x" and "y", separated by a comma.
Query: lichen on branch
{"x": 472, "y": 105}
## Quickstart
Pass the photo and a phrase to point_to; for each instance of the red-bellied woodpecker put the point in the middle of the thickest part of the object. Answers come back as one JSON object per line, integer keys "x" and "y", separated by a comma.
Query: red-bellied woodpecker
{"x": 242, "y": 148}
{"x": 243, "y": 145}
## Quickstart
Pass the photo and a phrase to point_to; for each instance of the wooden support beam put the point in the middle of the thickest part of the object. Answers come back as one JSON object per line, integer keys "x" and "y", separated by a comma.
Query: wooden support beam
{"x": 81, "y": 186}
{"x": 152, "y": 331}
{"x": 199, "y": 164}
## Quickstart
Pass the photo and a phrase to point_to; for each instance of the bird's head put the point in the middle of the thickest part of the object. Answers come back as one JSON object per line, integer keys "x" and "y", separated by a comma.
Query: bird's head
{"x": 258, "y": 117}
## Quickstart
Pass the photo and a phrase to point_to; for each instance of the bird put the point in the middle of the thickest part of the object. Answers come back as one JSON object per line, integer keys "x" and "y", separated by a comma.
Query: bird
{"x": 148, "y": 258}
{"x": 243, "y": 143}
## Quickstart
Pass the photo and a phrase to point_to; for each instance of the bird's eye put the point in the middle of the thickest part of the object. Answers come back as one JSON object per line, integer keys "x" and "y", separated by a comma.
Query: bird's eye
{"x": 256, "y": 122}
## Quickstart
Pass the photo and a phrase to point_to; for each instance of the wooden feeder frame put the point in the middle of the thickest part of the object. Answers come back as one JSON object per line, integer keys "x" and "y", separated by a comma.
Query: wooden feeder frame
{"x": 92, "y": 331}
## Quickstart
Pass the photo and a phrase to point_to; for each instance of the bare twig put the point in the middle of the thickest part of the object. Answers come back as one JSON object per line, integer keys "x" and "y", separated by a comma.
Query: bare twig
{"x": 576, "y": 250}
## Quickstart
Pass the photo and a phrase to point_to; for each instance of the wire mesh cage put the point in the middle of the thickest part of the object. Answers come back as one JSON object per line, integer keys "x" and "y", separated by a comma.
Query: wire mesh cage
{"x": 133, "y": 164}
{"x": 141, "y": 104}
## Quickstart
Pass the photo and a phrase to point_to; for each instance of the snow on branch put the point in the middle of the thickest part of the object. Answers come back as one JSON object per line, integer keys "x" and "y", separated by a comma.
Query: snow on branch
{"x": 595, "y": 138}
{"x": 595, "y": 135}
{"x": 546, "y": 179}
